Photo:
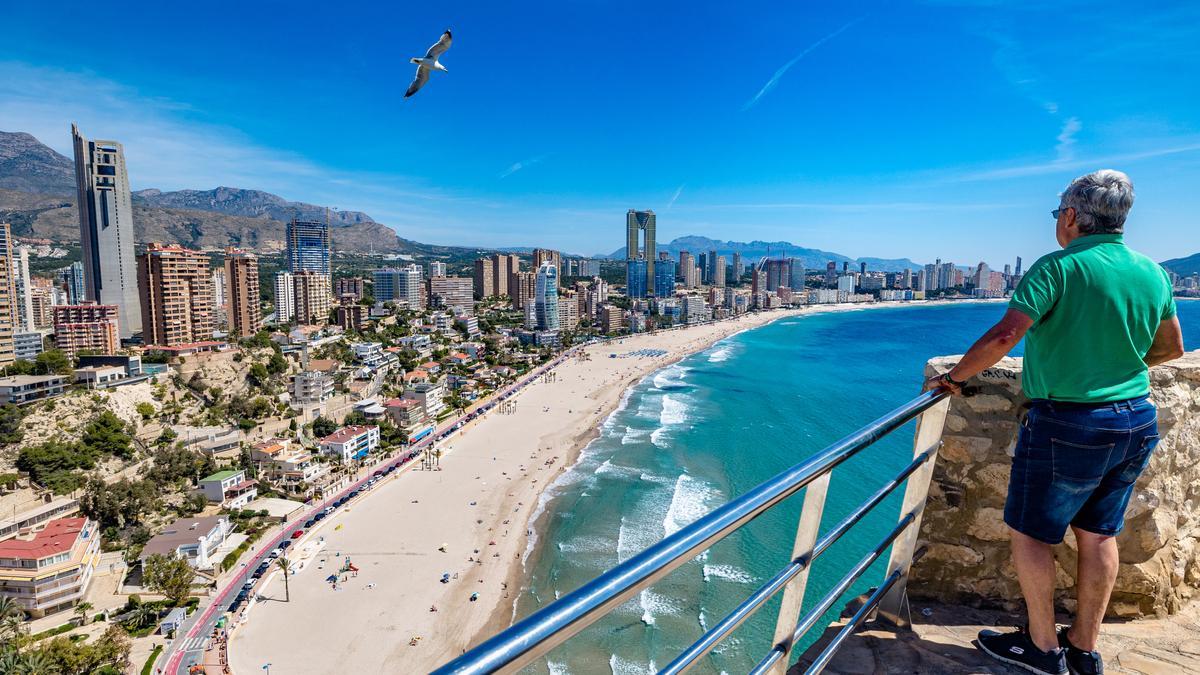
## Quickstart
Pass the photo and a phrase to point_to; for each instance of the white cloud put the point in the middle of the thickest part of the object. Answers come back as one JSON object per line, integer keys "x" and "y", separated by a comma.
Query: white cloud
{"x": 787, "y": 66}
{"x": 1066, "y": 139}
{"x": 675, "y": 196}
{"x": 1057, "y": 165}
{"x": 523, "y": 164}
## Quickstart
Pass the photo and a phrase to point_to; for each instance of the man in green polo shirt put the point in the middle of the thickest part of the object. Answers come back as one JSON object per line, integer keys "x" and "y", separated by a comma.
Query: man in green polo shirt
{"x": 1095, "y": 317}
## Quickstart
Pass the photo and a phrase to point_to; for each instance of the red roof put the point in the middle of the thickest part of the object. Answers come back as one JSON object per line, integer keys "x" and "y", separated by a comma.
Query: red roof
{"x": 58, "y": 537}
{"x": 401, "y": 403}
{"x": 346, "y": 433}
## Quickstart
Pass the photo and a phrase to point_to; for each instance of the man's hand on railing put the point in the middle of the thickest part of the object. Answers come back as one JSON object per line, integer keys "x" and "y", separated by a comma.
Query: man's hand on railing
{"x": 942, "y": 383}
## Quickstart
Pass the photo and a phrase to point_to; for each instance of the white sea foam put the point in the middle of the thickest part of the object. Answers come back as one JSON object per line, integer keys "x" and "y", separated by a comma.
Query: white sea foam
{"x": 557, "y": 668}
{"x": 651, "y": 478}
{"x": 586, "y": 545}
{"x": 659, "y": 437}
{"x": 674, "y": 410}
{"x": 620, "y": 666}
{"x": 691, "y": 499}
{"x": 728, "y": 573}
{"x": 616, "y": 470}
{"x": 722, "y": 352}
{"x": 703, "y": 620}
{"x": 633, "y": 435}
{"x": 670, "y": 378}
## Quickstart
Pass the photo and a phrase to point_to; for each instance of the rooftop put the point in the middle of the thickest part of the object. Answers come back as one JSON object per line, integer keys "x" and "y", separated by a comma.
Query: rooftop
{"x": 222, "y": 475}
{"x": 21, "y": 380}
{"x": 58, "y": 537}
{"x": 346, "y": 433}
{"x": 180, "y": 532}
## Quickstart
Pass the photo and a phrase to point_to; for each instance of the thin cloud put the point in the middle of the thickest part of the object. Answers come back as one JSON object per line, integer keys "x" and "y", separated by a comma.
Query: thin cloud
{"x": 1066, "y": 139}
{"x": 523, "y": 164}
{"x": 678, "y": 191}
{"x": 787, "y": 66}
{"x": 1060, "y": 165}
{"x": 858, "y": 208}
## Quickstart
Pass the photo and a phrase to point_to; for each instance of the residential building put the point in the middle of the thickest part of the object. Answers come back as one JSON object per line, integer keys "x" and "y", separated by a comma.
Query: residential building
{"x": 23, "y": 289}
{"x": 25, "y": 389}
{"x": 41, "y": 304}
{"x": 33, "y": 518}
{"x": 106, "y": 229}
{"x": 50, "y": 570}
{"x": 588, "y": 268}
{"x": 343, "y": 286}
{"x": 693, "y": 309}
{"x": 635, "y": 278}
{"x": 195, "y": 539}
{"x": 229, "y": 488}
{"x": 8, "y": 297}
{"x": 468, "y": 323}
{"x": 545, "y": 296}
{"x": 313, "y": 298}
{"x": 308, "y": 247}
{"x": 285, "y": 297}
{"x": 738, "y": 269}
{"x": 846, "y": 283}
{"x": 89, "y": 327}
{"x": 220, "y": 301}
{"x": 177, "y": 297}
{"x": 402, "y": 286}
{"x": 686, "y": 262}
{"x": 640, "y": 223}
{"x": 664, "y": 279}
{"x": 288, "y": 466}
{"x": 437, "y": 268}
{"x": 74, "y": 284}
{"x": 312, "y": 387}
{"x": 408, "y": 414}
{"x": 545, "y": 255}
{"x": 483, "y": 281}
{"x": 351, "y": 317}
{"x": 611, "y": 318}
{"x": 504, "y": 265}
{"x": 522, "y": 286}
{"x": 241, "y": 278}
{"x": 351, "y": 443}
{"x": 795, "y": 274}
{"x": 450, "y": 292}
{"x": 26, "y": 346}
{"x": 429, "y": 395}
{"x": 568, "y": 313}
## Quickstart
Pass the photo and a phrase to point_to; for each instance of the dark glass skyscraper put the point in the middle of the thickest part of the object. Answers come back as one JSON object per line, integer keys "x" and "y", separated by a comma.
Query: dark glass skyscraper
{"x": 635, "y": 278}
{"x": 635, "y": 222}
{"x": 308, "y": 247}
{"x": 664, "y": 279}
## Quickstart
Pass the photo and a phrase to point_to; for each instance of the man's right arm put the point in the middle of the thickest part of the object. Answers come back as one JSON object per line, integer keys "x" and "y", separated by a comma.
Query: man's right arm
{"x": 1168, "y": 343}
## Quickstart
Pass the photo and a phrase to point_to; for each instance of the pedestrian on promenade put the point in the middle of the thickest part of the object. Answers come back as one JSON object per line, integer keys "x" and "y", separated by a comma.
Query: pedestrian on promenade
{"x": 1095, "y": 317}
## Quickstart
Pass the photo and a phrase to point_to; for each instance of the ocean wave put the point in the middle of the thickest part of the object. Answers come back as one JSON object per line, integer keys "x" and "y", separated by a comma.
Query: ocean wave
{"x": 671, "y": 377}
{"x": 728, "y": 573}
{"x": 586, "y": 545}
{"x": 557, "y": 668}
{"x": 633, "y": 435}
{"x": 703, "y": 621}
{"x": 674, "y": 410}
{"x": 654, "y": 605}
{"x": 722, "y": 352}
{"x": 651, "y": 478}
{"x": 659, "y": 437}
{"x": 610, "y": 469}
{"x": 691, "y": 499}
{"x": 620, "y": 666}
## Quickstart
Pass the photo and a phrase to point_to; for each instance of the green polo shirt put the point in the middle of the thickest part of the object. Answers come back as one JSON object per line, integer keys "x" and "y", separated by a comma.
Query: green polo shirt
{"x": 1095, "y": 306}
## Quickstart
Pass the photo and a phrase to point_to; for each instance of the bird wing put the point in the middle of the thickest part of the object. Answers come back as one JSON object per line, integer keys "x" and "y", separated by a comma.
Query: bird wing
{"x": 439, "y": 47}
{"x": 418, "y": 81}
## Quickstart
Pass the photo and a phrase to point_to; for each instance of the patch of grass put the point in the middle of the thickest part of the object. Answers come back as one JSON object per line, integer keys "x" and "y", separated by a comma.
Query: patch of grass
{"x": 149, "y": 667}
{"x": 52, "y": 632}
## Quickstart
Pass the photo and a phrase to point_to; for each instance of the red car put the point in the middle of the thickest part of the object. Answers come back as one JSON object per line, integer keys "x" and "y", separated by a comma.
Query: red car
{"x": 297, "y": 533}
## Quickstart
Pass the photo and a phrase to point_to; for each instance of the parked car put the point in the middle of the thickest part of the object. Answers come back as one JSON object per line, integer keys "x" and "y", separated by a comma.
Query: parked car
{"x": 248, "y": 586}
{"x": 309, "y": 523}
{"x": 297, "y": 534}
{"x": 284, "y": 544}
{"x": 275, "y": 554}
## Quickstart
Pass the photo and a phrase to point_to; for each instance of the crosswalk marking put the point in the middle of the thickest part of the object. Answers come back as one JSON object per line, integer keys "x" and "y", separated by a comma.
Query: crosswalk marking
{"x": 195, "y": 644}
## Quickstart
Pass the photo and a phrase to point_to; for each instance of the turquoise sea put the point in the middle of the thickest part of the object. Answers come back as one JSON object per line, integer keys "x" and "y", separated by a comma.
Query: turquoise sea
{"x": 712, "y": 426}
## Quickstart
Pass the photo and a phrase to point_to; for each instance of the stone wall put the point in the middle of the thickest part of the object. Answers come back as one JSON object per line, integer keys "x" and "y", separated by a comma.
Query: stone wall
{"x": 967, "y": 559}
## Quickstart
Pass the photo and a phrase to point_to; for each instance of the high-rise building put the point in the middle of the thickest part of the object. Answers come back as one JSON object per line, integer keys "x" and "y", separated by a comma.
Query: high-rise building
{"x": 795, "y": 274}
{"x": 241, "y": 283}
{"x": 846, "y": 283}
{"x": 72, "y": 278}
{"x": 779, "y": 274}
{"x": 702, "y": 263}
{"x": 737, "y": 269}
{"x": 450, "y": 292}
{"x": 685, "y": 265}
{"x": 521, "y": 288}
{"x": 545, "y": 296}
{"x": 437, "y": 268}
{"x": 308, "y": 247}
{"x": 541, "y": 255}
{"x": 635, "y": 278}
{"x": 177, "y": 295}
{"x": 401, "y": 285}
{"x": 106, "y": 228}
{"x": 352, "y": 286}
{"x": 8, "y": 297}
{"x": 664, "y": 279}
{"x": 862, "y": 268}
{"x": 831, "y": 273}
{"x": 313, "y": 297}
{"x": 285, "y": 297}
{"x": 503, "y": 267}
{"x": 483, "y": 282}
{"x": 568, "y": 312}
{"x": 640, "y": 222}
{"x": 88, "y": 327}
{"x": 1017, "y": 270}
{"x": 23, "y": 284}
{"x": 220, "y": 299}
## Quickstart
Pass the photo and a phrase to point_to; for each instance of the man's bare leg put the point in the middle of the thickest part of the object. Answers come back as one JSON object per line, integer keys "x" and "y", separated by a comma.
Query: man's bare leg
{"x": 1034, "y": 561}
{"x": 1094, "y": 579}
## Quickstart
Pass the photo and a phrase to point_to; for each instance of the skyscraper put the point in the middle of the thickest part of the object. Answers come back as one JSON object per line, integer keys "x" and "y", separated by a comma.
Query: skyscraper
{"x": 545, "y": 296}
{"x": 314, "y": 297}
{"x": 23, "y": 284}
{"x": 685, "y": 266}
{"x": 635, "y": 278}
{"x": 541, "y": 255}
{"x": 503, "y": 266}
{"x": 1017, "y": 271}
{"x": 644, "y": 222}
{"x": 718, "y": 274}
{"x": 241, "y": 284}
{"x": 484, "y": 282}
{"x": 664, "y": 279}
{"x": 795, "y": 274}
{"x": 737, "y": 269}
{"x": 702, "y": 263}
{"x": 437, "y": 269}
{"x": 285, "y": 297}
{"x": 106, "y": 228}
{"x": 831, "y": 273}
{"x": 404, "y": 285}
{"x": 74, "y": 284}
{"x": 177, "y": 296}
{"x": 521, "y": 288}
{"x": 308, "y": 247}
{"x": 8, "y": 297}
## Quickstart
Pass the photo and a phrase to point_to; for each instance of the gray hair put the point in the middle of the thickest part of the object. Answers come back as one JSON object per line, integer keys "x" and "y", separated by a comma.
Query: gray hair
{"x": 1101, "y": 201}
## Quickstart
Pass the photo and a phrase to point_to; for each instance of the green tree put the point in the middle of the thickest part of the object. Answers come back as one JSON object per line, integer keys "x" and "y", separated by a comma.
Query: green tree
{"x": 107, "y": 435}
{"x": 53, "y": 361}
{"x": 172, "y": 576}
{"x": 12, "y": 621}
{"x": 119, "y": 504}
{"x": 284, "y": 564}
{"x": 145, "y": 409}
{"x": 258, "y": 375}
{"x": 53, "y": 464}
{"x": 83, "y": 611}
{"x": 110, "y": 651}
{"x": 11, "y": 430}
{"x": 323, "y": 426}
{"x": 276, "y": 364}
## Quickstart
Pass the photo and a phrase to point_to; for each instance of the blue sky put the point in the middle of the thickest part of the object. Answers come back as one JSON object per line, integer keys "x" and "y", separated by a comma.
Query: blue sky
{"x": 936, "y": 129}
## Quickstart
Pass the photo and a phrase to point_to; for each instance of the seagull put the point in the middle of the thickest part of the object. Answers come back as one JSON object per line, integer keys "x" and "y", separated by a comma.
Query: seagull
{"x": 428, "y": 62}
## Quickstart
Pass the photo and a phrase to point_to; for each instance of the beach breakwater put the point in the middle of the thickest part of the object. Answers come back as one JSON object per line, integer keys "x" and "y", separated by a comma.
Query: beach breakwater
{"x": 967, "y": 559}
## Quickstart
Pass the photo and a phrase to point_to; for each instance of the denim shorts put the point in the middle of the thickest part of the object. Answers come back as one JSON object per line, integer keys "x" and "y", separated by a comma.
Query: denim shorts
{"x": 1075, "y": 464}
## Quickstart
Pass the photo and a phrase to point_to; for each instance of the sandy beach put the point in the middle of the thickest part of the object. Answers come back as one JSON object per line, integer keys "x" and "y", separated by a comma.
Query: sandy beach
{"x": 478, "y": 506}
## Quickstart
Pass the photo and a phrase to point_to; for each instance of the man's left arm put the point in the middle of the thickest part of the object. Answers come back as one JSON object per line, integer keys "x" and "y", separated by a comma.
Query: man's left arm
{"x": 987, "y": 350}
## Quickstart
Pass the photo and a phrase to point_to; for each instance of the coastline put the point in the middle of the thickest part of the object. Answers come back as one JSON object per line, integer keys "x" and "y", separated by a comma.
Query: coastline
{"x": 394, "y": 538}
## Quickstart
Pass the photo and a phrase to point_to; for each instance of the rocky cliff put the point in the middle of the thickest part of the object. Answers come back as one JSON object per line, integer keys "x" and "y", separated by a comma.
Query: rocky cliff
{"x": 967, "y": 559}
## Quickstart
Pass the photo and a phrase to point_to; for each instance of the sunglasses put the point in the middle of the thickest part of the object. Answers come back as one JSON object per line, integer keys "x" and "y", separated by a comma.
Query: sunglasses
{"x": 1059, "y": 211}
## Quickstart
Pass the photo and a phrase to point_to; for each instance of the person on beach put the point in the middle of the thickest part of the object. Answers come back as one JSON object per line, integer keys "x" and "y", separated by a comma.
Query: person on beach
{"x": 1095, "y": 317}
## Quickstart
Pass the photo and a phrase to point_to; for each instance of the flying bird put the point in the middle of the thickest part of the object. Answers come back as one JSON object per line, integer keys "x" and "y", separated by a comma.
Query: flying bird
{"x": 428, "y": 62}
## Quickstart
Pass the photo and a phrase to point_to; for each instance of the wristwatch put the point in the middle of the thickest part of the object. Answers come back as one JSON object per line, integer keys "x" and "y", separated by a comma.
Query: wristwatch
{"x": 953, "y": 381}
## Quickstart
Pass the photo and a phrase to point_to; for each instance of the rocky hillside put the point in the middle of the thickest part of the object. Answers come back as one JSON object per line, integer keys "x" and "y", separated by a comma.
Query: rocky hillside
{"x": 37, "y": 196}
{"x": 811, "y": 258}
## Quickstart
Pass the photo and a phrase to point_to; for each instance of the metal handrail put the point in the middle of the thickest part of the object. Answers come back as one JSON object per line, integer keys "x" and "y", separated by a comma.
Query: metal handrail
{"x": 517, "y": 646}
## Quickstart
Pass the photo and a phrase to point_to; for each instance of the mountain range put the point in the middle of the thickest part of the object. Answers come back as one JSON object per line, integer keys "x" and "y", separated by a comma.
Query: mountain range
{"x": 1184, "y": 267}
{"x": 811, "y": 258}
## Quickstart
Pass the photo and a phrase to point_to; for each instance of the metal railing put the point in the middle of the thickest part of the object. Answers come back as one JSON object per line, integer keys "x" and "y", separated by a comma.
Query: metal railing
{"x": 521, "y": 644}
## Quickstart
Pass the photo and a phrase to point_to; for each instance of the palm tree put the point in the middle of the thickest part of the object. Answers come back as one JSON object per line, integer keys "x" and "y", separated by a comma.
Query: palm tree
{"x": 82, "y": 610}
{"x": 11, "y": 662}
{"x": 284, "y": 564}
{"x": 37, "y": 663}
{"x": 12, "y": 619}
{"x": 141, "y": 616}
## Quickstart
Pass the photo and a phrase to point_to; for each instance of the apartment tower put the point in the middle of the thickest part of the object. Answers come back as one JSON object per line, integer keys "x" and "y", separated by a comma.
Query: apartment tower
{"x": 177, "y": 295}
{"x": 241, "y": 291}
{"x": 636, "y": 223}
{"x": 86, "y": 326}
{"x": 314, "y": 297}
{"x": 308, "y": 247}
{"x": 484, "y": 283}
{"x": 8, "y": 297}
{"x": 106, "y": 228}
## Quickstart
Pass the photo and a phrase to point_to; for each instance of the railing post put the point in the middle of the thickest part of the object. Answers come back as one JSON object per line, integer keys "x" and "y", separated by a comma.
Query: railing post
{"x": 806, "y": 537}
{"x": 928, "y": 437}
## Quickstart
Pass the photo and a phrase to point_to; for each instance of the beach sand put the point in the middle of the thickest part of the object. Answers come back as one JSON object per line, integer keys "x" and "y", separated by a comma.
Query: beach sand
{"x": 479, "y": 505}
